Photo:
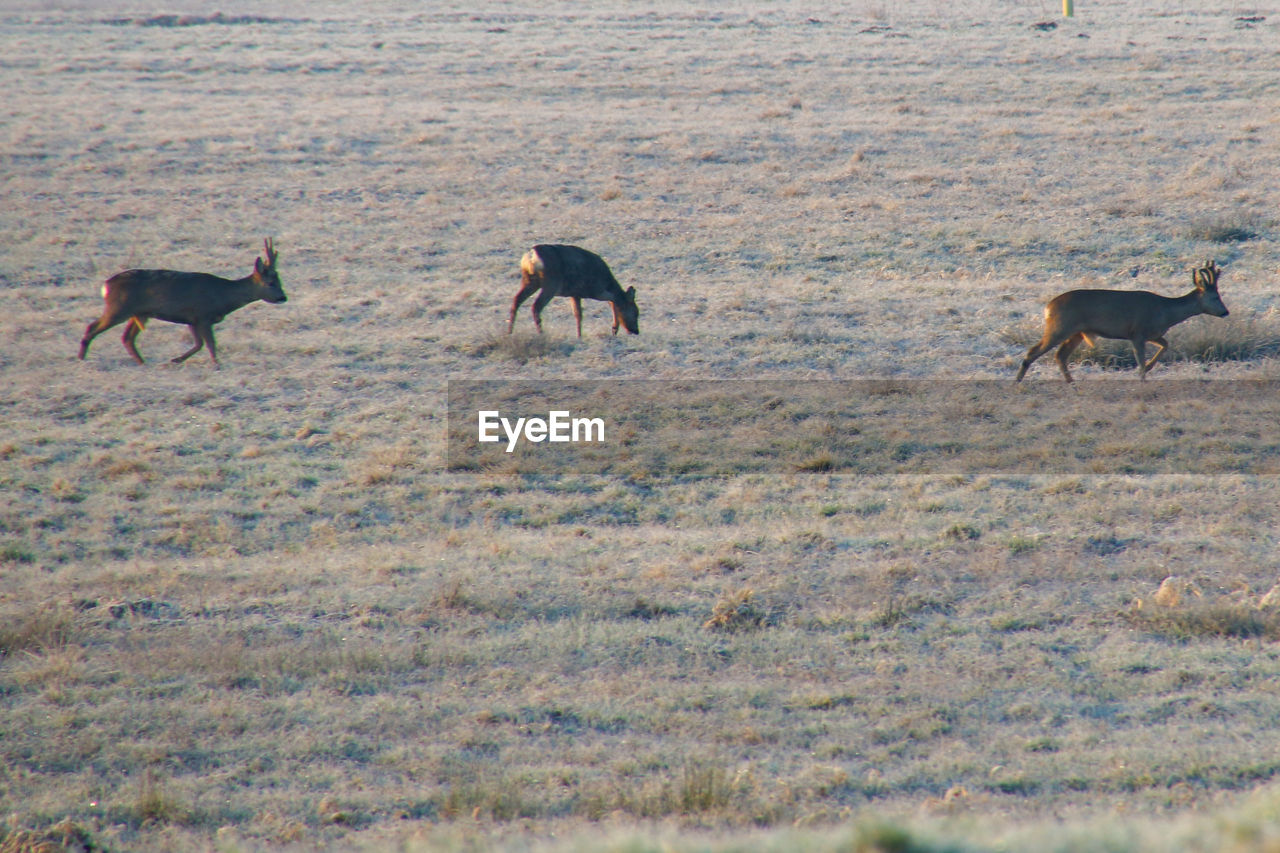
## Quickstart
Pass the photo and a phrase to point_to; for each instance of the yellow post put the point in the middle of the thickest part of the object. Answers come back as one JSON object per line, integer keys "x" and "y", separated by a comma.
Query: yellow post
{"x": 1068, "y": 8}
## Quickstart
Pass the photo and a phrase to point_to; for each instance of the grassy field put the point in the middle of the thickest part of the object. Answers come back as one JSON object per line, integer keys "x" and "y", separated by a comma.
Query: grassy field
{"x": 256, "y": 608}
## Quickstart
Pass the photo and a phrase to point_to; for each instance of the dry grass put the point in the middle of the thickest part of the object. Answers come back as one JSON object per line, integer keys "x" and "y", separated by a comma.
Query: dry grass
{"x": 254, "y": 609}
{"x": 1226, "y": 231}
{"x": 48, "y": 629}
{"x": 1180, "y": 611}
{"x": 737, "y": 611}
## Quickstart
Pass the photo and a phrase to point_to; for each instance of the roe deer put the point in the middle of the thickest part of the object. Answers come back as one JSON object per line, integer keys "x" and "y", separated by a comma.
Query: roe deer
{"x": 195, "y": 299}
{"x": 1135, "y": 316}
{"x": 578, "y": 274}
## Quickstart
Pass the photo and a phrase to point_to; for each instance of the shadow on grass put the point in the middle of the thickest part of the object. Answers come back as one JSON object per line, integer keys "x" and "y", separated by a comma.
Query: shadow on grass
{"x": 519, "y": 348}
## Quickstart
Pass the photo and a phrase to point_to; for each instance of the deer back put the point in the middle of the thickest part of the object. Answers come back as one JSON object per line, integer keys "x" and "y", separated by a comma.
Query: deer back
{"x": 576, "y": 272}
{"x": 183, "y": 297}
{"x": 190, "y": 297}
{"x": 1128, "y": 314}
{"x": 1106, "y": 313}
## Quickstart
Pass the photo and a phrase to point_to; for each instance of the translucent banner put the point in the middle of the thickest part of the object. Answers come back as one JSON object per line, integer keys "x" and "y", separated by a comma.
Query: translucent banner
{"x": 652, "y": 428}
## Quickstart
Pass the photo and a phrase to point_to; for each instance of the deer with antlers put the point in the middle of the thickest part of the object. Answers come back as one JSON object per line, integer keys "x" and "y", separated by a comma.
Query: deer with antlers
{"x": 195, "y": 299}
{"x": 1079, "y": 316}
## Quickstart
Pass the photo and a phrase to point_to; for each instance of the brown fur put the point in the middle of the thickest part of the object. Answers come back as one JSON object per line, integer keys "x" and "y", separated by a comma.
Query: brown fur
{"x": 575, "y": 273}
{"x": 196, "y": 299}
{"x": 1079, "y": 316}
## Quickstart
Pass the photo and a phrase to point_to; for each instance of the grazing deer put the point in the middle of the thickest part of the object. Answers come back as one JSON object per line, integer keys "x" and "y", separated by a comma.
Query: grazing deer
{"x": 1135, "y": 316}
{"x": 578, "y": 274}
{"x": 196, "y": 299}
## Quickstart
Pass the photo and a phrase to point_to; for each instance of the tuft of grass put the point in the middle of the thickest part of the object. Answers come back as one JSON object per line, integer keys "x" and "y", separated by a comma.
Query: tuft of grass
{"x": 735, "y": 612}
{"x": 64, "y": 490}
{"x": 817, "y": 464}
{"x": 1019, "y": 544}
{"x": 1197, "y": 620}
{"x": 451, "y": 596}
{"x": 866, "y": 509}
{"x": 330, "y": 811}
{"x": 647, "y": 611}
{"x": 47, "y": 629}
{"x": 15, "y": 552}
{"x": 1043, "y": 744}
{"x": 385, "y": 465}
{"x": 900, "y": 609}
{"x": 156, "y": 804}
{"x": 704, "y": 788}
{"x": 495, "y": 798}
{"x": 64, "y": 837}
{"x": 883, "y": 837}
{"x": 962, "y": 532}
{"x": 520, "y": 348}
{"x": 1219, "y": 230}
{"x": 1246, "y": 339}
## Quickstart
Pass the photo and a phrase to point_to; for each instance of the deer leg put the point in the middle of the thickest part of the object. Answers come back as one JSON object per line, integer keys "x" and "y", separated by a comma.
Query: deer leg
{"x": 617, "y": 316}
{"x": 1064, "y": 352}
{"x": 526, "y": 290}
{"x": 538, "y": 304}
{"x": 94, "y": 329}
{"x": 131, "y": 331}
{"x": 1140, "y": 353}
{"x": 199, "y": 344}
{"x": 577, "y": 312}
{"x": 1046, "y": 344}
{"x": 211, "y": 344}
{"x": 1163, "y": 345}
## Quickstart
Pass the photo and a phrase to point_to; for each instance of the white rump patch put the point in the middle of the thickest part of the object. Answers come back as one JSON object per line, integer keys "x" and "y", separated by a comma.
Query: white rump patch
{"x": 532, "y": 263}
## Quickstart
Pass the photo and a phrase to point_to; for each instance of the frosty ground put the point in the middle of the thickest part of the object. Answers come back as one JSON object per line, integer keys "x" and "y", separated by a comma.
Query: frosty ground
{"x": 252, "y": 607}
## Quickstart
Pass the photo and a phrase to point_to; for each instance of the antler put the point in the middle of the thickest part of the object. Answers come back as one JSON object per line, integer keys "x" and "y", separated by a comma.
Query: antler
{"x": 271, "y": 252}
{"x": 1206, "y": 276}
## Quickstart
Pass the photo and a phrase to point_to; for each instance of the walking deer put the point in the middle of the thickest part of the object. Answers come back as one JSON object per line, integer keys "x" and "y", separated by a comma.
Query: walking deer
{"x": 575, "y": 273}
{"x": 196, "y": 299}
{"x": 1078, "y": 316}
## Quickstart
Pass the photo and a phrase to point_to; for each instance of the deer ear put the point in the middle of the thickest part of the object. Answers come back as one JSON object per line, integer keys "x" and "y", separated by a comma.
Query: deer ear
{"x": 631, "y": 294}
{"x": 257, "y": 265}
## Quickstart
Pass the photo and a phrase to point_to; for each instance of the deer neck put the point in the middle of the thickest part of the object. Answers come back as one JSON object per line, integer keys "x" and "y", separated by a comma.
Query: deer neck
{"x": 237, "y": 292}
{"x": 1180, "y": 308}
